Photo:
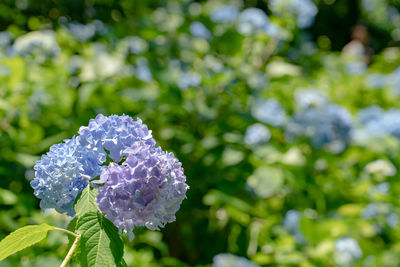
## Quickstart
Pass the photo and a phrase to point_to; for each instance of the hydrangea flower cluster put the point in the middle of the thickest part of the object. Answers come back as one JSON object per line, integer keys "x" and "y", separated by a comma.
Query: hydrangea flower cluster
{"x": 257, "y": 134}
{"x": 58, "y": 175}
{"x": 252, "y": 20}
{"x": 303, "y": 10}
{"x": 375, "y": 122}
{"x": 329, "y": 126}
{"x": 291, "y": 222}
{"x": 41, "y": 44}
{"x": 306, "y": 98}
{"x": 224, "y": 14}
{"x": 269, "y": 111}
{"x": 347, "y": 250}
{"x": 144, "y": 190}
{"x": 115, "y": 134}
{"x": 230, "y": 260}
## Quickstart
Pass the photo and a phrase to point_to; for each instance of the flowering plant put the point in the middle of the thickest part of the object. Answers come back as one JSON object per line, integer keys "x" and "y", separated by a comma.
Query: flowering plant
{"x": 111, "y": 178}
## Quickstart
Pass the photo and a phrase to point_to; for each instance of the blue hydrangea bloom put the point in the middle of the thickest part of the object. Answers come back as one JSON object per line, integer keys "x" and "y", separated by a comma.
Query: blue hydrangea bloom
{"x": 376, "y": 80}
{"x": 347, "y": 251}
{"x": 189, "y": 80}
{"x": 303, "y": 10}
{"x": 369, "y": 114}
{"x": 114, "y": 134}
{"x": 257, "y": 134}
{"x": 329, "y": 126}
{"x": 198, "y": 29}
{"x": 306, "y": 98}
{"x": 394, "y": 81}
{"x": 142, "y": 70}
{"x": 356, "y": 68}
{"x": 224, "y": 14}
{"x": 269, "y": 111}
{"x": 146, "y": 190}
{"x": 291, "y": 222}
{"x": 82, "y": 32}
{"x": 58, "y": 175}
{"x": 230, "y": 260}
{"x": 251, "y": 20}
{"x": 375, "y": 122}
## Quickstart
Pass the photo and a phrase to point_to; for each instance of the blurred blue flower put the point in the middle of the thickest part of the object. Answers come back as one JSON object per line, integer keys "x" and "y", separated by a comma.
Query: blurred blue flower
{"x": 269, "y": 111}
{"x": 257, "y": 80}
{"x": 375, "y": 123}
{"x": 198, "y": 29}
{"x": 356, "y": 68}
{"x": 252, "y": 20}
{"x": 136, "y": 45}
{"x": 5, "y": 39}
{"x": 82, "y": 32}
{"x": 142, "y": 70}
{"x": 392, "y": 220}
{"x": 230, "y": 260}
{"x": 257, "y": 134}
{"x": 291, "y": 222}
{"x": 224, "y": 14}
{"x": 327, "y": 126}
{"x": 369, "y": 114}
{"x": 347, "y": 251}
{"x": 374, "y": 210}
{"x": 189, "y": 80}
{"x": 376, "y": 80}
{"x": 306, "y": 98}
{"x": 394, "y": 81}
{"x": 303, "y": 10}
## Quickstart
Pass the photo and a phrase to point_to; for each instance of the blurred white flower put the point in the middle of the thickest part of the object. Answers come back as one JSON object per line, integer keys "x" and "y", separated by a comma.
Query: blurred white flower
{"x": 40, "y": 44}
{"x": 251, "y": 20}
{"x": 347, "y": 251}
{"x": 381, "y": 166}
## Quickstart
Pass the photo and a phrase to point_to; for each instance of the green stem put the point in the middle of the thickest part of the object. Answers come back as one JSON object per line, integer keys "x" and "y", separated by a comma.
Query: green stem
{"x": 71, "y": 251}
{"x": 66, "y": 231}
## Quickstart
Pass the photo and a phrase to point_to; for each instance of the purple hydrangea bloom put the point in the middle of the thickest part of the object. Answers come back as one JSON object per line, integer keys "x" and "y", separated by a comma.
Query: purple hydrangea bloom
{"x": 146, "y": 190}
{"x": 58, "y": 175}
{"x": 115, "y": 134}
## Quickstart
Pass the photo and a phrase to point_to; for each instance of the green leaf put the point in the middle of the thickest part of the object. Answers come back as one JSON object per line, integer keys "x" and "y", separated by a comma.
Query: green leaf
{"x": 100, "y": 244}
{"x": 86, "y": 201}
{"x": 23, "y": 238}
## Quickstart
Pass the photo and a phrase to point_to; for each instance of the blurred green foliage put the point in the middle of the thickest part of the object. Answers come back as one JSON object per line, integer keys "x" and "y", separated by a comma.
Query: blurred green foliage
{"x": 197, "y": 94}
